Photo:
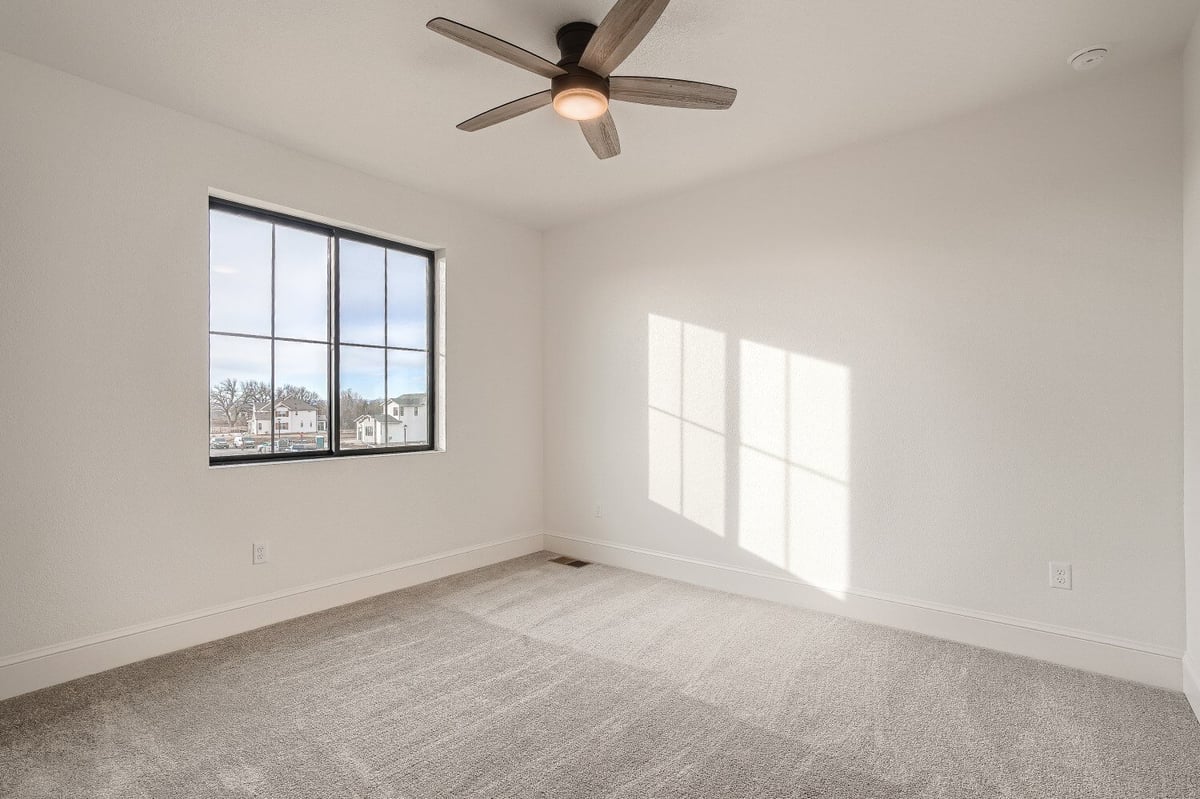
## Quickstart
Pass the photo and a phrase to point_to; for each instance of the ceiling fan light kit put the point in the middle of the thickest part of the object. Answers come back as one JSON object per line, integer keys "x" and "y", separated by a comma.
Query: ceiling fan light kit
{"x": 579, "y": 94}
{"x": 582, "y": 83}
{"x": 580, "y": 102}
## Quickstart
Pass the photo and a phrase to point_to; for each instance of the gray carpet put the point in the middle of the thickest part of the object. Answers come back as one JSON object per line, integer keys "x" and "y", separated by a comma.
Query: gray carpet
{"x": 532, "y": 679}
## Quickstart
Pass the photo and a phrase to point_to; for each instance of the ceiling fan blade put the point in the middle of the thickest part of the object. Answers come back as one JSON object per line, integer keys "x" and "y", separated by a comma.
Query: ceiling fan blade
{"x": 505, "y": 112}
{"x": 671, "y": 92}
{"x": 601, "y": 134}
{"x": 623, "y": 29}
{"x": 497, "y": 48}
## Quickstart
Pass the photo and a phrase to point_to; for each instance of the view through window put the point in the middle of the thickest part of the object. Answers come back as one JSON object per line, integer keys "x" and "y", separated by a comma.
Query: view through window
{"x": 320, "y": 339}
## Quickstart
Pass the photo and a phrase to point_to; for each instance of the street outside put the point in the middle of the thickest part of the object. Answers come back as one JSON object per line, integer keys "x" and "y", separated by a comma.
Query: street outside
{"x": 239, "y": 444}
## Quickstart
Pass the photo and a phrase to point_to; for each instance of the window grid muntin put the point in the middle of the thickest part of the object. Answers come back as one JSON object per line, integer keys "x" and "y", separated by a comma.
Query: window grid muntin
{"x": 335, "y": 235}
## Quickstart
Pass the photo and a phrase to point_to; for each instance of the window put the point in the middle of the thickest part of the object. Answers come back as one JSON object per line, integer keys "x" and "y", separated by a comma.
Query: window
{"x": 325, "y": 327}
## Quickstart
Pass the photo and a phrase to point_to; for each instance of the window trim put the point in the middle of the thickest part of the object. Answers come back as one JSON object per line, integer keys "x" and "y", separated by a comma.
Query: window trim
{"x": 333, "y": 387}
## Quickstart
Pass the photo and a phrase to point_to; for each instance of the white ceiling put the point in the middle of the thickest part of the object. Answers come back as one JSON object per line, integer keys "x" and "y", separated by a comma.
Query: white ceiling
{"x": 365, "y": 84}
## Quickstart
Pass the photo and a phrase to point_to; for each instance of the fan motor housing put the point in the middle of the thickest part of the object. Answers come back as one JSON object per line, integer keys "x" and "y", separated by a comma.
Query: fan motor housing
{"x": 572, "y": 40}
{"x": 578, "y": 78}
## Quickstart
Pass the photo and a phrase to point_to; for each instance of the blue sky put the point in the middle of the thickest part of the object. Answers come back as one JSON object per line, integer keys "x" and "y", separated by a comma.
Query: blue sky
{"x": 240, "y": 301}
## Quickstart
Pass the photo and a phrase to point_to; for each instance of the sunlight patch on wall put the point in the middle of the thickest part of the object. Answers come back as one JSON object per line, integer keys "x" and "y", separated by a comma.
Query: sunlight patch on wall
{"x": 704, "y": 478}
{"x": 819, "y": 416}
{"x": 665, "y": 439}
{"x": 686, "y": 420}
{"x": 664, "y": 344}
{"x": 818, "y": 528}
{"x": 762, "y": 398}
{"x": 763, "y": 505}
{"x": 819, "y": 451}
{"x": 704, "y": 377}
{"x": 794, "y": 456}
{"x": 792, "y": 416}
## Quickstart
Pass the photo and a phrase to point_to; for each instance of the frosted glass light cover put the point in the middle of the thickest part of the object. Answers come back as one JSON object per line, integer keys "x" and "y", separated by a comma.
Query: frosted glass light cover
{"x": 580, "y": 104}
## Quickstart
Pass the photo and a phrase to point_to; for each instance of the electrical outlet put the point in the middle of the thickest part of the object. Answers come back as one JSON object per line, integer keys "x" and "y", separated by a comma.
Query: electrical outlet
{"x": 598, "y": 513}
{"x": 262, "y": 552}
{"x": 1060, "y": 575}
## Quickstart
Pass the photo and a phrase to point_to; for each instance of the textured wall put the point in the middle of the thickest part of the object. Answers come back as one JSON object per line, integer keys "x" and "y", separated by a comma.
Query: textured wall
{"x": 924, "y": 366}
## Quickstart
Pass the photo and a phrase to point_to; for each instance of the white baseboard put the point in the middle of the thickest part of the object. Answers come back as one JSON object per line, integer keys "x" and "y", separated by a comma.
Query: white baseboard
{"x": 1191, "y": 683}
{"x": 40, "y": 668}
{"x": 1129, "y": 660}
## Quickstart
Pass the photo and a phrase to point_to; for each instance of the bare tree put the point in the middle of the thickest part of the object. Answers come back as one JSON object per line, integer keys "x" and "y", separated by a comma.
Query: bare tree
{"x": 226, "y": 398}
{"x": 256, "y": 394}
{"x": 298, "y": 392}
{"x": 353, "y": 405}
{"x": 349, "y": 408}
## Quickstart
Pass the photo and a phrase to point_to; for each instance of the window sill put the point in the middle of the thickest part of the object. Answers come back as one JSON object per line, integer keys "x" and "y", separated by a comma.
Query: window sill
{"x": 320, "y": 458}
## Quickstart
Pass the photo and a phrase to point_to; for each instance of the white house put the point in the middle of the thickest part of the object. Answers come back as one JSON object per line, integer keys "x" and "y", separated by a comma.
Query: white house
{"x": 371, "y": 428}
{"x": 406, "y": 422}
{"x": 290, "y": 415}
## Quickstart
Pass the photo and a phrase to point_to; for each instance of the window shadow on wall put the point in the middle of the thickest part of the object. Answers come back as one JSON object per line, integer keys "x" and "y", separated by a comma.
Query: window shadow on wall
{"x": 752, "y": 443}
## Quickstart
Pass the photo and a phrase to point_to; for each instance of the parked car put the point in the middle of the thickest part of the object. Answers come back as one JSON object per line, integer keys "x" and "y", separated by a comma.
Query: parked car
{"x": 303, "y": 446}
{"x": 244, "y": 442}
{"x": 219, "y": 443}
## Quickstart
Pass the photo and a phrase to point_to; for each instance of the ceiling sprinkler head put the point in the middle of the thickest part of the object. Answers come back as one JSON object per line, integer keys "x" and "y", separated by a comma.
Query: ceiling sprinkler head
{"x": 1087, "y": 58}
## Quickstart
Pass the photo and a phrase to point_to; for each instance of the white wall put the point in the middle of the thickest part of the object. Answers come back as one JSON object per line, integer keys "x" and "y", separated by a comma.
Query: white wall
{"x": 1191, "y": 347}
{"x": 921, "y": 367}
{"x": 103, "y": 300}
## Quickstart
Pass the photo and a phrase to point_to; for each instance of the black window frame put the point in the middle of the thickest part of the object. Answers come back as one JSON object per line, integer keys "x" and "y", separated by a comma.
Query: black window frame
{"x": 335, "y": 234}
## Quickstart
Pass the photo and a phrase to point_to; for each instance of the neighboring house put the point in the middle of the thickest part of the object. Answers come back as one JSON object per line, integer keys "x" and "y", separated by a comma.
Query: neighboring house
{"x": 371, "y": 428}
{"x": 259, "y": 423}
{"x": 289, "y": 415}
{"x": 406, "y": 422}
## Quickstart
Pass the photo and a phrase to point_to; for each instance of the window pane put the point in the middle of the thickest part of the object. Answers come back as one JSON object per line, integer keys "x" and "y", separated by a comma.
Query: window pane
{"x": 239, "y": 274}
{"x": 360, "y": 284}
{"x": 301, "y": 409}
{"x": 407, "y": 300}
{"x": 408, "y": 392}
{"x": 239, "y": 374}
{"x": 360, "y": 417}
{"x": 301, "y": 284}
{"x": 270, "y": 279}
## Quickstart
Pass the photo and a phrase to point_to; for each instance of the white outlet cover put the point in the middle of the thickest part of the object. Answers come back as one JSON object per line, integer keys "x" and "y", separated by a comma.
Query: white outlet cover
{"x": 1060, "y": 575}
{"x": 260, "y": 553}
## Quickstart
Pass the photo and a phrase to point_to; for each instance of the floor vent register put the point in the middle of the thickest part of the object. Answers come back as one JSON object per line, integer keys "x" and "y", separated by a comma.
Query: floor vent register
{"x": 564, "y": 560}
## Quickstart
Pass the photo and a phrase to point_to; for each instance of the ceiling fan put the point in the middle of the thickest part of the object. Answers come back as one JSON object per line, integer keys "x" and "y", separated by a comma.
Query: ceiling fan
{"x": 582, "y": 83}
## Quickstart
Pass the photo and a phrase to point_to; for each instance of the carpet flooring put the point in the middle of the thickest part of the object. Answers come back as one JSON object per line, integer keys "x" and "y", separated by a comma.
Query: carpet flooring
{"x": 533, "y": 679}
